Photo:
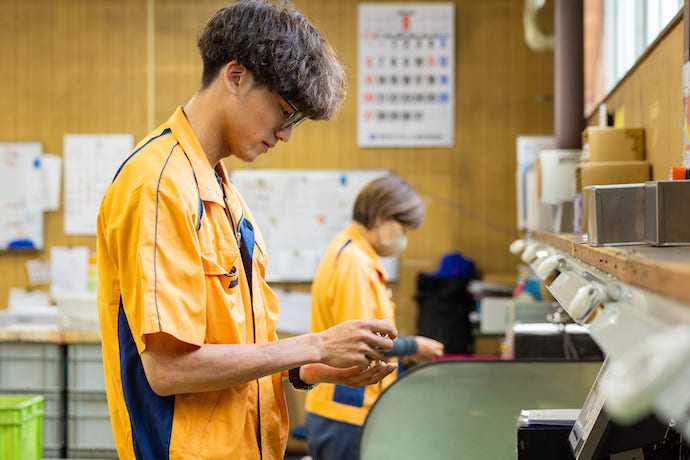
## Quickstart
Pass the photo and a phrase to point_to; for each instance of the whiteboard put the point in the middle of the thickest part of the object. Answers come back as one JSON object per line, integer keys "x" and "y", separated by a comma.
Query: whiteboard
{"x": 300, "y": 211}
{"x": 21, "y": 196}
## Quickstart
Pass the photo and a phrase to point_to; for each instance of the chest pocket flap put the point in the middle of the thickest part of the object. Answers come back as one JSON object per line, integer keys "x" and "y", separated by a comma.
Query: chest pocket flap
{"x": 223, "y": 262}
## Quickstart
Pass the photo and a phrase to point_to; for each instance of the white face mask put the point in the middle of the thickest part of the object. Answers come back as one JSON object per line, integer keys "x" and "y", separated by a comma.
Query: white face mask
{"x": 395, "y": 246}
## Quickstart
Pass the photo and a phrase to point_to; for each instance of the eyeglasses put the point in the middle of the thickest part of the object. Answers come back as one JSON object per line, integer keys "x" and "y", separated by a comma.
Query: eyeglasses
{"x": 295, "y": 118}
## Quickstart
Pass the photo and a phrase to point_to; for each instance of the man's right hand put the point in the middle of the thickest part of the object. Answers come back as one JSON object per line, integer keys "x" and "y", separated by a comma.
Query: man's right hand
{"x": 352, "y": 377}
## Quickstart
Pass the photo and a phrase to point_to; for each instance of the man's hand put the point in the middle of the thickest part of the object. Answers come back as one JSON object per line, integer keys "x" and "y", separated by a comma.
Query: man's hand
{"x": 352, "y": 377}
{"x": 356, "y": 342}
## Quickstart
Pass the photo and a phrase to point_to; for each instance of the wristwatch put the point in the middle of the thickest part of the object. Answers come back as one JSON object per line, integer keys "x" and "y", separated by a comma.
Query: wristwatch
{"x": 298, "y": 383}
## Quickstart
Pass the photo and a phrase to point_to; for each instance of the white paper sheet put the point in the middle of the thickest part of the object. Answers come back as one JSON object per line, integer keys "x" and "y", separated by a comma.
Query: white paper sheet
{"x": 38, "y": 271}
{"x": 20, "y": 299}
{"x": 91, "y": 161}
{"x": 69, "y": 268}
{"x": 551, "y": 416}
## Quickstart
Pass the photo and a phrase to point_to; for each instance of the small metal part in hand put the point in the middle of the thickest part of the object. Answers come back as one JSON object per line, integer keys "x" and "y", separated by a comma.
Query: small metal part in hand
{"x": 380, "y": 334}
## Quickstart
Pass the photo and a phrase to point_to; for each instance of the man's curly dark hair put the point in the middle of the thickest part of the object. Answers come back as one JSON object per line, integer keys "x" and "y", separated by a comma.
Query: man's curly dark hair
{"x": 282, "y": 50}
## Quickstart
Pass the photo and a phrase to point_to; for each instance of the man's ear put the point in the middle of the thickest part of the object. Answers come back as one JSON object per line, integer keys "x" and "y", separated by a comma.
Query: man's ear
{"x": 234, "y": 74}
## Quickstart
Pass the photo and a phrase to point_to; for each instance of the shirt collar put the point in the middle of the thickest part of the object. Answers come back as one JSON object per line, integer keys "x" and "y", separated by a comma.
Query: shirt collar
{"x": 209, "y": 189}
{"x": 353, "y": 233}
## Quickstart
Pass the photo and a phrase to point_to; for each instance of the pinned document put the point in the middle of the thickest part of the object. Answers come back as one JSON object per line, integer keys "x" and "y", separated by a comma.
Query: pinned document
{"x": 91, "y": 162}
{"x": 69, "y": 268}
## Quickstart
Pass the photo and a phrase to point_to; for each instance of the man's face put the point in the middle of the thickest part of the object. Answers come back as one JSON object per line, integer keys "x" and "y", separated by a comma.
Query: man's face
{"x": 256, "y": 123}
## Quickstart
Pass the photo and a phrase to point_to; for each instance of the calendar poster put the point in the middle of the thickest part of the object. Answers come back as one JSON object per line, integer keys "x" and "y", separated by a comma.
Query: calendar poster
{"x": 406, "y": 75}
{"x": 90, "y": 164}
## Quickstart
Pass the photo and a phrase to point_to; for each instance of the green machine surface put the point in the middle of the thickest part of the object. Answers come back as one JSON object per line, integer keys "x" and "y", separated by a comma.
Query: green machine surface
{"x": 468, "y": 409}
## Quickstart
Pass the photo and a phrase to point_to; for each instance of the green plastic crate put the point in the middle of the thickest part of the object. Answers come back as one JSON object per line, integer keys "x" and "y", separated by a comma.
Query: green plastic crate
{"x": 21, "y": 418}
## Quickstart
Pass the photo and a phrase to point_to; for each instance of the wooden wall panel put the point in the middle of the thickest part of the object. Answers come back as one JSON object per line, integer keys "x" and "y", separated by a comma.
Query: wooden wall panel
{"x": 502, "y": 89}
{"x": 652, "y": 99}
{"x": 68, "y": 66}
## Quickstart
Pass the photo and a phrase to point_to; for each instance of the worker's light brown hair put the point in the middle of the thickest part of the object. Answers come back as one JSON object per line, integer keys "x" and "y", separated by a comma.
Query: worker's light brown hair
{"x": 388, "y": 197}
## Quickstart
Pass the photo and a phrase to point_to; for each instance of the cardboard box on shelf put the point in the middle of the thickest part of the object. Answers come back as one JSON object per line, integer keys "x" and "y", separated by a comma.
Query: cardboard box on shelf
{"x": 612, "y": 144}
{"x": 612, "y": 172}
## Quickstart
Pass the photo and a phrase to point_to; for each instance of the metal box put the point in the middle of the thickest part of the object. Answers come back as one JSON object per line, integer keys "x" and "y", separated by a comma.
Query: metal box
{"x": 667, "y": 215}
{"x": 615, "y": 214}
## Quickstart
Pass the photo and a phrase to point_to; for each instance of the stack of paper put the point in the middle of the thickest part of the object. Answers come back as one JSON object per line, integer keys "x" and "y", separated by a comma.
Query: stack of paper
{"x": 549, "y": 416}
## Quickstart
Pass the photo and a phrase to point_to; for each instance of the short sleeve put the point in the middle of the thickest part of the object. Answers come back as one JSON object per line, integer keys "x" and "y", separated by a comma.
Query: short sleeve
{"x": 162, "y": 275}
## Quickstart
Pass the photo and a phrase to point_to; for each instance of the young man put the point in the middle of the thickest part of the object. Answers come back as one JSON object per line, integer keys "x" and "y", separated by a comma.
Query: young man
{"x": 192, "y": 363}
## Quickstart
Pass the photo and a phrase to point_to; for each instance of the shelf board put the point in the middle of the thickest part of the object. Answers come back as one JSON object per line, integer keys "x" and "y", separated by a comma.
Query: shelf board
{"x": 664, "y": 270}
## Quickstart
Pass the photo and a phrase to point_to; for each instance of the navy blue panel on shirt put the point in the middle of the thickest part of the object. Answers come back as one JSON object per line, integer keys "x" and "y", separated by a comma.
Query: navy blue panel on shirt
{"x": 247, "y": 248}
{"x": 151, "y": 416}
{"x": 341, "y": 250}
{"x": 349, "y": 396}
{"x": 163, "y": 133}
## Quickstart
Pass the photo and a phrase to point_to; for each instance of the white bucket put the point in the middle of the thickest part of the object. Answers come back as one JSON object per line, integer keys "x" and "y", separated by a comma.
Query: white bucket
{"x": 558, "y": 174}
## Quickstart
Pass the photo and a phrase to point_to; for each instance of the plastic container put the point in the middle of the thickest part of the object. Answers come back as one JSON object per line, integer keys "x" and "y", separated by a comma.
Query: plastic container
{"x": 678, "y": 173}
{"x": 558, "y": 174}
{"x": 54, "y": 420}
{"x": 21, "y": 419}
{"x": 88, "y": 422}
{"x": 85, "y": 368}
{"x": 29, "y": 367}
{"x": 77, "y": 311}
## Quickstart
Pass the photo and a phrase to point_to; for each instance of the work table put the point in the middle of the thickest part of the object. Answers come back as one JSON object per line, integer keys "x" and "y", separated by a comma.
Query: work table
{"x": 50, "y": 333}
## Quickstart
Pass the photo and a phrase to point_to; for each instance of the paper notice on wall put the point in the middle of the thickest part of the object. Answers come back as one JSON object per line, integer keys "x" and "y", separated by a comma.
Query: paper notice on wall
{"x": 91, "y": 161}
{"x": 69, "y": 270}
{"x": 406, "y": 75}
{"x": 38, "y": 271}
{"x": 21, "y": 201}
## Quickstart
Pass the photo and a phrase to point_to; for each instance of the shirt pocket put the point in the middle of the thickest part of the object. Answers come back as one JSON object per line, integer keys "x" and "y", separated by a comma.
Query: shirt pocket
{"x": 222, "y": 264}
{"x": 223, "y": 289}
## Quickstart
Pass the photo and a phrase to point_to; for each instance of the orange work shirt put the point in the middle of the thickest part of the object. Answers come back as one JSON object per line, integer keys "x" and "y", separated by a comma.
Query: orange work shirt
{"x": 169, "y": 261}
{"x": 350, "y": 283}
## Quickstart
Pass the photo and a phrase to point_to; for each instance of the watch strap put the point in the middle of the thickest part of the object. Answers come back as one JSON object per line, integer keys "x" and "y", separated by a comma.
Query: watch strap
{"x": 297, "y": 382}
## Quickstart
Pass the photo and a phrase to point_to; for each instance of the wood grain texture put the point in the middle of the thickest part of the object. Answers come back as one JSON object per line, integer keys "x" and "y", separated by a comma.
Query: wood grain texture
{"x": 652, "y": 99}
{"x": 664, "y": 270}
{"x": 68, "y": 67}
